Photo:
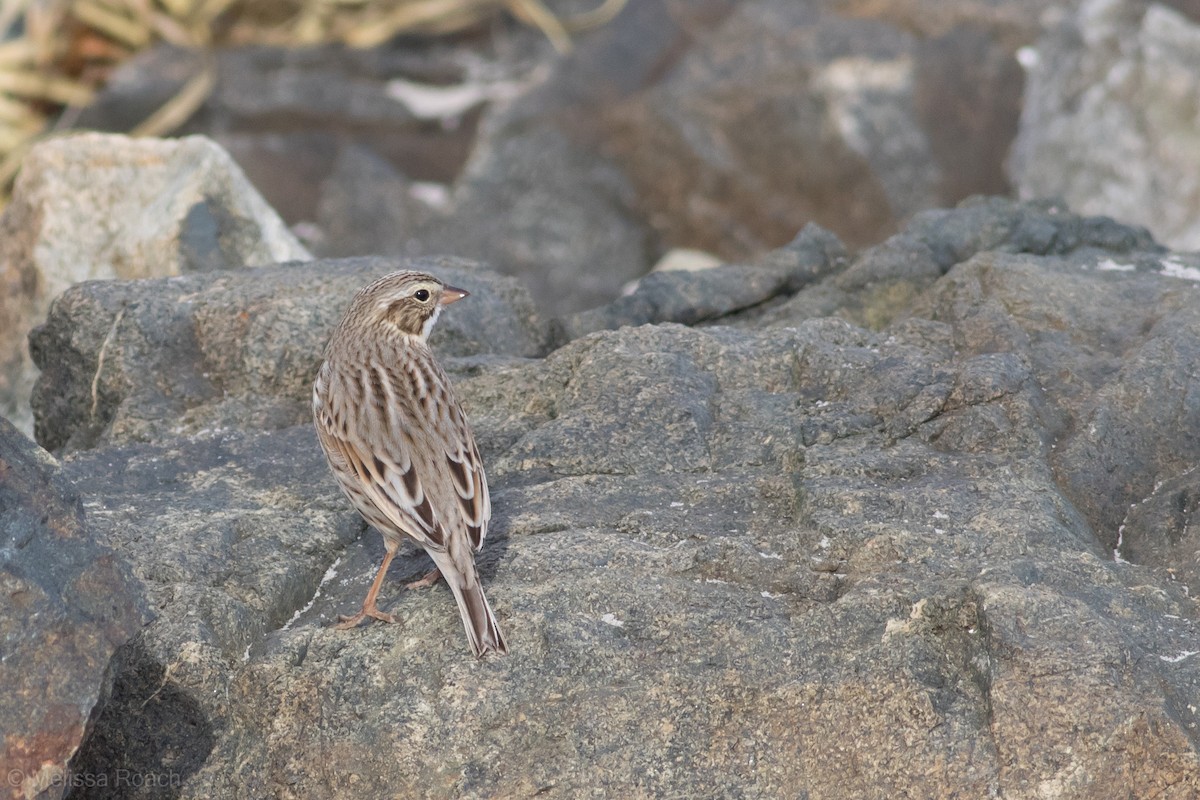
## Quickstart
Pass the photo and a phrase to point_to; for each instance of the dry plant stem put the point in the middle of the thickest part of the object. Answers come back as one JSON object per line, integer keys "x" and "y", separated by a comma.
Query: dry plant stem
{"x": 179, "y": 9}
{"x": 180, "y": 108}
{"x": 18, "y": 114}
{"x": 100, "y": 360}
{"x": 601, "y": 15}
{"x": 112, "y": 23}
{"x": 532, "y": 12}
{"x": 37, "y": 85}
{"x": 17, "y": 52}
{"x": 412, "y": 16}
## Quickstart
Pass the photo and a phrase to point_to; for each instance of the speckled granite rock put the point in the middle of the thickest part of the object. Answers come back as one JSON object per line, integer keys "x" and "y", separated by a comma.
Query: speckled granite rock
{"x": 778, "y": 555}
{"x": 94, "y": 206}
{"x": 134, "y": 361}
{"x": 68, "y": 605}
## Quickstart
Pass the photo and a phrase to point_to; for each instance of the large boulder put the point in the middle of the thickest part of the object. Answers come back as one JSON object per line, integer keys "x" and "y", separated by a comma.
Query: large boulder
{"x": 861, "y": 553}
{"x": 134, "y": 361}
{"x": 69, "y": 604}
{"x": 853, "y": 115}
{"x": 93, "y": 206}
{"x": 1109, "y": 120}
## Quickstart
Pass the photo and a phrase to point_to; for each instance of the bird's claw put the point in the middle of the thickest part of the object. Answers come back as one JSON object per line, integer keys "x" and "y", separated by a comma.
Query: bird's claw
{"x": 352, "y": 621}
{"x": 426, "y": 580}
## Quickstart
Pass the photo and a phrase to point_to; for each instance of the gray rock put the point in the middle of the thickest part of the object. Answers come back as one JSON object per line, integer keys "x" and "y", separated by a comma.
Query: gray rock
{"x": 1013, "y": 23}
{"x": 730, "y": 560}
{"x": 137, "y": 361}
{"x": 534, "y": 199}
{"x": 534, "y": 205}
{"x": 716, "y": 125}
{"x": 1160, "y": 530}
{"x": 1122, "y": 352}
{"x": 285, "y": 114}
{"x": 288, "y": 114}
{"x": 69, "y": 604}
{"x": 692, "y": 297}
{"x": 80, "y": 190}
{"x": 369, "y": 207}
{"x": 96, "y": 206}
{"x": 967, "y": 89}
{"x": 1107, "y": 122}
{"x": 139, "y": 86}
{"x": 755, "y": 119}
{"x": 786, "y": 113}
{"x": 539, "y": 206}
{"x": 882, "y": 283}
{"x": 685, "y": 297}
{"x": 541, "y": 196}
{"x": 231, "y": 559}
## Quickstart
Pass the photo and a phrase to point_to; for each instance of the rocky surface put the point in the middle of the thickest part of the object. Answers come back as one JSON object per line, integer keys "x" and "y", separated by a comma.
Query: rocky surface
{"x": 1108, "y": 122}
{"x": 855, "y": 539}
{"x": 136, "y": 361}
{"x": 94, "y": 206}
{"x": 899, "y": 518}
{"x": 715, "y": 291}
{"x": 68, "y": 604}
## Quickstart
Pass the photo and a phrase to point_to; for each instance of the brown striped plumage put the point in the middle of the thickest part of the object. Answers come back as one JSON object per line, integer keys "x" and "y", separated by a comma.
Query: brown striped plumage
{"x": 399, "y": 444}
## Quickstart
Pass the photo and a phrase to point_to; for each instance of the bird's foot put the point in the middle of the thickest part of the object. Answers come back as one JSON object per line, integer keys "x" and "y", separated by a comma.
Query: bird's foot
{"x": 429, "y": 579}
{"x": 347, "y": 622}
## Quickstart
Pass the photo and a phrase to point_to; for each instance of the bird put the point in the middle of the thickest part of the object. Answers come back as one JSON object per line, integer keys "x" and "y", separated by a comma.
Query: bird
{"x": 399, "y": 444}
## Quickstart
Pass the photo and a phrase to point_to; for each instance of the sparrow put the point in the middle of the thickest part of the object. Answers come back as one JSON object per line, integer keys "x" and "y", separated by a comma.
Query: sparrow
{"x": 399, "y": 444}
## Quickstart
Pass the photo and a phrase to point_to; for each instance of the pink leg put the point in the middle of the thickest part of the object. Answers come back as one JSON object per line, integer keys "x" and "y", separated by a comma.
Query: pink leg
{"x": 429, "y": 579}
{"x": 369, "y": 609}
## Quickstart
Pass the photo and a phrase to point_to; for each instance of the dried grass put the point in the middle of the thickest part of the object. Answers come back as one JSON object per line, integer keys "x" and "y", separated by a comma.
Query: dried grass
{"x": 66, "y": 49}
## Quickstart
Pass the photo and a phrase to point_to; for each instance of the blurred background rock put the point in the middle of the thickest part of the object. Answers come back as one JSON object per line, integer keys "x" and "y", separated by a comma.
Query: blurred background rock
{"x": 574, "y": 144}
{"x": 577, "y": 148}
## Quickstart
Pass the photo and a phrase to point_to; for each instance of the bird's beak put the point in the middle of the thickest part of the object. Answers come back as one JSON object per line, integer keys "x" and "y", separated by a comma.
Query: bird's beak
{"x": 451, "y": 294}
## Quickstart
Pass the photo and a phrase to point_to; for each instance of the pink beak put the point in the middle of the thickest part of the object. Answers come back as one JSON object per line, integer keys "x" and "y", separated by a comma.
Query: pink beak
{"x": 451, "y": 294}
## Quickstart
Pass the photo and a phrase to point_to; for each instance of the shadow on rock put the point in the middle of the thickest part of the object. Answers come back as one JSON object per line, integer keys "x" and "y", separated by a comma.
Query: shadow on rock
{"x": 148, "y": 741}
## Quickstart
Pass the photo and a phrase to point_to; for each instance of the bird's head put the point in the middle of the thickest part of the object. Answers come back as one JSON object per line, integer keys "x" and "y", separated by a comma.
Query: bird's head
{"x": 405, "y": 303}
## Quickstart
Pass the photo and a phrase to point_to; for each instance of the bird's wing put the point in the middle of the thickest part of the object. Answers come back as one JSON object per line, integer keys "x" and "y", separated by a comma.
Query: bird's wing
{"x": 410, "y": 467}
{"x": 392, "y": 487}
{"x": 361, "y": 422}
{"x": 466, "y": 470}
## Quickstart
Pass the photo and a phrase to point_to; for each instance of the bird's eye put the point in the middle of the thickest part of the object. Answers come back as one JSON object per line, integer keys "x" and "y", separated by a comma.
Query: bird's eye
{"x": 421, "y": 294}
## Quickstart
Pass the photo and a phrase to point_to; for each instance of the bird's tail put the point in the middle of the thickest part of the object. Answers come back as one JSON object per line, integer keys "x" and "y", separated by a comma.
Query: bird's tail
{"x": 478, "y": 619}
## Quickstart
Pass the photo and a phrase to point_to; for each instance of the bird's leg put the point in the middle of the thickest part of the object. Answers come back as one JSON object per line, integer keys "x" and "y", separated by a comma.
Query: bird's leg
{"x": 429, "y": 579}
{"x": 368, "y": 608}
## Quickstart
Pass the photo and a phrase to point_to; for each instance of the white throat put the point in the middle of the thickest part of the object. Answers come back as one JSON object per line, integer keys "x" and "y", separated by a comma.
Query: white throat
{"x": 428, "y": 326}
